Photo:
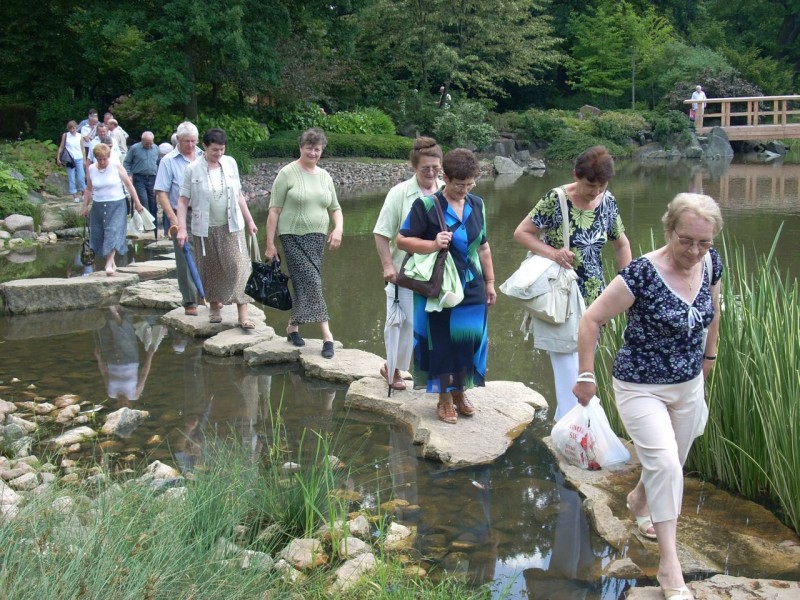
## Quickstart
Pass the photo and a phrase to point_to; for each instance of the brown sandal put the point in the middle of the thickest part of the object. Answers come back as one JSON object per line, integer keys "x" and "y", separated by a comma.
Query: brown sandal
{"x": 397, "y": 382}
{"x": 447, "y": 413}
{"x": 463, "y": 405}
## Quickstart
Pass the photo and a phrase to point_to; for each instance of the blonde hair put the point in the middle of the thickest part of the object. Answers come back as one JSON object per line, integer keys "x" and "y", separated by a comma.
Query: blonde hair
{"x": 101, "y": 151}
{"x": 701, "y": 205}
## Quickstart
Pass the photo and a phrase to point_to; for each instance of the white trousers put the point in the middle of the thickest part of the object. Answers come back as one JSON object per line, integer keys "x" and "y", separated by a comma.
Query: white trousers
{"x": 661, "y": 420}
{"x": 405, "y": 347}
{"x": 565, "y": 372}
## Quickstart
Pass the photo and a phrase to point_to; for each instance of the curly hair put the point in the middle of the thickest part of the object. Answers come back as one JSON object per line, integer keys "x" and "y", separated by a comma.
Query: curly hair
{"x": 460, "y": 164}
{"x": 313, "y": 137}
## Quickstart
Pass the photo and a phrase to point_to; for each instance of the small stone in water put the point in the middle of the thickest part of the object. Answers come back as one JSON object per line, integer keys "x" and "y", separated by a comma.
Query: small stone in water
{"x": 478, "y": 485}
{"x": 154, "y": 440}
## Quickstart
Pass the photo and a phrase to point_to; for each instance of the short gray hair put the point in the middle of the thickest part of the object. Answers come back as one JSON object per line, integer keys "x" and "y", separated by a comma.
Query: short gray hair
{"x": 701, "y": 205}
{"x": 187, "y": 128}
{"x": 148, "y": 134}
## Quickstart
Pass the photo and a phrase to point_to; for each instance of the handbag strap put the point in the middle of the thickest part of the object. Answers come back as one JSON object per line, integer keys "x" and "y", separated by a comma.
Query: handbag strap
{"x": 84, "y": 227}
{"x": 439, "y": 213}
{"x": 562, "y": 197}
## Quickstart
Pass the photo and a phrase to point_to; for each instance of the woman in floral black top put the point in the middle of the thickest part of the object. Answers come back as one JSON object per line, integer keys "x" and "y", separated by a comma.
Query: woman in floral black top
{"x": 671, "y": 296}
{"x": 593, "y": 220}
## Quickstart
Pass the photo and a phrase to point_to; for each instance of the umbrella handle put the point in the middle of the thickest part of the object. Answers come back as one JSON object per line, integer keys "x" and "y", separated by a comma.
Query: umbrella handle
{"x": 172, "y": 229}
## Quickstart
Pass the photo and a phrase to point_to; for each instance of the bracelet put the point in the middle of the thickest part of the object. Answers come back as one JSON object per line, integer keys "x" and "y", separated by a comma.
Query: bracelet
{"x": 707, "y": 357}
{"x": 586, "y": 377}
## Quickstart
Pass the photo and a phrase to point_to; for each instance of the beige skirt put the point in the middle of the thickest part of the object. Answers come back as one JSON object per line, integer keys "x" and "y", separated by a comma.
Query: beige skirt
{"x": 223, "y": 264}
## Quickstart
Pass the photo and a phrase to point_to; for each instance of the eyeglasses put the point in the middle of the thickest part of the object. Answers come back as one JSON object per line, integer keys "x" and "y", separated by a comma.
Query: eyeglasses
{"x": 702, "y": 245}
{"x": 429, "y": 169}
{"x": 463, "y": 186}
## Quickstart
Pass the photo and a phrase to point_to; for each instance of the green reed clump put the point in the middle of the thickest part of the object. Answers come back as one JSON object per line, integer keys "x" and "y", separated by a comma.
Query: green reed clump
{"x": 751, "y": 443}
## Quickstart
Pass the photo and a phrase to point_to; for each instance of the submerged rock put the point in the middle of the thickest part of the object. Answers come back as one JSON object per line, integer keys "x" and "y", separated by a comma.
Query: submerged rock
{"x": 124, "y": 421}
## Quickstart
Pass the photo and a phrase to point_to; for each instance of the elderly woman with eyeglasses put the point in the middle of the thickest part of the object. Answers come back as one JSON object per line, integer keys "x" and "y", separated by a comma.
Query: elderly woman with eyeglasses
{"x": 450, "y": 346}
{"x": 671, "y": 296}
{"x": 426, "y": 160}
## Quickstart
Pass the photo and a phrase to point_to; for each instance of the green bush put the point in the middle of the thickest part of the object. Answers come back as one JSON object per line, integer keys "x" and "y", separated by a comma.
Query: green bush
{"x": 52, "y": 115}
{"x": 293, "y": 117}
{"x": 13, "y": 194}
{"x": 620, "y": 127}
{"x": 569, "y": 143}
{"x": 665, "y": 124}
{"x": 371, "y": 121}
{"x": 34, "y": 159}
{"x": 241, "y": 153}
{"x": 542, "y": 125}
{"x": 414, "y": 112}
{"x": 238, "y": 128}
{"x": 464, "y": 125}
{"x": 285, "y": 145}
{"x": 138, "y": 115}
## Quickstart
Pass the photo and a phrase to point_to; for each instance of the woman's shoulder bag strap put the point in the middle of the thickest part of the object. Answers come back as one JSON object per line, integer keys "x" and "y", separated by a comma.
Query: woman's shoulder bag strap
{"x": 562, "y": 197}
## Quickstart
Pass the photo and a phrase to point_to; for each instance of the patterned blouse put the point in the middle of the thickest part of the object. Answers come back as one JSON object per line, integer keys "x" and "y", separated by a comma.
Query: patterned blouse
{"x": 664, "y": 339}
{"x": 589, "y": 232}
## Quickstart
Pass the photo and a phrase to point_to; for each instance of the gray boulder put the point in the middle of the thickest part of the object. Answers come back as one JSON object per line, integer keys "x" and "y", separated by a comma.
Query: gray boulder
{"x": 58, "y": 181}
{"x": 776, "y": 146}
{"x": 506, "y": 166}
{"x": 50, "y": 294}
{"x": 14, "y": 223}
{"x": 502, "y": 147}
{"x": 160, "y": 294}
{"x": 717, "y": 144}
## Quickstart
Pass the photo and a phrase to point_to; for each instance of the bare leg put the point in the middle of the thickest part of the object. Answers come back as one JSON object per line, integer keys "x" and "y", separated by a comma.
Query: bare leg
{"x": 637, "y": 503}
{"x": 327, "y": 336}
{"x": 670, "y": 574}
{"x": 111, "y": 267}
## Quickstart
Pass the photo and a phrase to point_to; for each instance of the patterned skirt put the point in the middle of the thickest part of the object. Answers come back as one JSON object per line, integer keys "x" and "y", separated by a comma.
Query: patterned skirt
{"x": 304, "y": 261}
{"x": 450, "y": 347}
{"x": 109, "y": 223}
{"x": 224, "y": 265}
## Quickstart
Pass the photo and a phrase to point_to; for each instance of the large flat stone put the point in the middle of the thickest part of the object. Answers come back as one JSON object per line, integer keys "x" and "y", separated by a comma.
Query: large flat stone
{"x": 200, "y": 327}
{"x": 717, "y": 531}
{"x": 346, "y": 366}
{"x": 503, "y": 410}
{"x": 727, "y": 587}
{"x": 50, "y": 294}
{"x": 279, "y": 350}
{"x": 161, "y": 294}
{"x": 150, "y": 269}
{"x": 234, "y": 341}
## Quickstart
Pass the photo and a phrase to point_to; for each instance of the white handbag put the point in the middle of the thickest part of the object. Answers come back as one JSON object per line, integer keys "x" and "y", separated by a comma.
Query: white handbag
{"x": 543, "y": 285}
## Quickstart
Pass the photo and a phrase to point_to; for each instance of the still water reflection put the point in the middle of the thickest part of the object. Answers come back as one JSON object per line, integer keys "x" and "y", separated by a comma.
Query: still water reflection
{"x": 512, "y": 522}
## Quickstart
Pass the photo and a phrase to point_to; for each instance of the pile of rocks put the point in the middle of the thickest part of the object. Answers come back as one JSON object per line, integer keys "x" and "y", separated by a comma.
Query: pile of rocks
{"x": 17, "y": 231}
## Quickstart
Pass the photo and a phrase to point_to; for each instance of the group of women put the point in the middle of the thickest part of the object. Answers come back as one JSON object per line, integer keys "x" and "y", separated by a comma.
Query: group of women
{"x": 671, "y": 295}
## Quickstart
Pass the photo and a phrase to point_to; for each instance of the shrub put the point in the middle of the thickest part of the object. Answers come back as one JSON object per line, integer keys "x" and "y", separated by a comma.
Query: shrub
{"x": 464, "y": 125}
{"x": 568, "y": 144}
{"x": 339, "y": 145}
{"x": 665, "y": 124}
{"x": 511, "y": 121}
{"x": 241, "y": 153}
{"x": 414, "y": 112}
{"x": 13, "y": 194}
{"x": 293, "y": 117}
{"x": 542, "y": 125}
{"x": 34, "y": 159}
{"x": 238, "y": 128}
{"x": 620, "y": 127}
{"x": 138, "y": 115}
{"x": 52, "y": 115}
{"x": 367, "y": 121}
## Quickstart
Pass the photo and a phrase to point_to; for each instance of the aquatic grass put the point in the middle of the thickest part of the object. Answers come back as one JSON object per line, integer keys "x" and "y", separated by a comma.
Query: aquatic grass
{"x": 752, "y": 441}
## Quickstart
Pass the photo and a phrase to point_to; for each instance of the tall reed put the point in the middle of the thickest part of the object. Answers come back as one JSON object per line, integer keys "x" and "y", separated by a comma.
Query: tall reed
{"x": 752, "y": 441}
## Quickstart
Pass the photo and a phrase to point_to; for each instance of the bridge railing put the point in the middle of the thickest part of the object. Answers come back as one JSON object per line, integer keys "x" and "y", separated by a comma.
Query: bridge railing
{"x": 748, "y": 118}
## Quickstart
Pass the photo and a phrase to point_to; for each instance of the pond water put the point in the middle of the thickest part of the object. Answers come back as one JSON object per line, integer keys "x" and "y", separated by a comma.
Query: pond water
{"x": 512, "y": 522}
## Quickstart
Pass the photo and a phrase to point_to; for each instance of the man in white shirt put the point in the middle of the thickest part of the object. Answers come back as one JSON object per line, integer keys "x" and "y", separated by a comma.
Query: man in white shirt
{"x": 698, "y": 94}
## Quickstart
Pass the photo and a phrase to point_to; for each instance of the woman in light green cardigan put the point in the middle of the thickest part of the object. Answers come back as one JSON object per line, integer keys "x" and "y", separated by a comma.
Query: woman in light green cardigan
{"x": 302, "y": 205}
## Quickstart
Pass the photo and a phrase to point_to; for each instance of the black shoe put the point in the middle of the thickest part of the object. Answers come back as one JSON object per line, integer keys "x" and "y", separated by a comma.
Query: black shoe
{"x": 327, "y": 349}
{"x": 295, "y": 338}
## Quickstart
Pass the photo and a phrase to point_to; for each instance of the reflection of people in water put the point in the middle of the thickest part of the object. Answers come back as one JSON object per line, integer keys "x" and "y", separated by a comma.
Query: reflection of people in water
{"x": 196, "y": 404}
{"x": 117, "y": 353}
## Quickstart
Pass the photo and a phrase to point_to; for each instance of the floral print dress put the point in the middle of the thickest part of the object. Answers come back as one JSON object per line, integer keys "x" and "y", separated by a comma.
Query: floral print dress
{"x": 589, "y": 232}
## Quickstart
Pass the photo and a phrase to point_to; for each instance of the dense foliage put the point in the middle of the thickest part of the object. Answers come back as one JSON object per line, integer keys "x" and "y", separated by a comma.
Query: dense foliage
{"x": 155, "y": 63}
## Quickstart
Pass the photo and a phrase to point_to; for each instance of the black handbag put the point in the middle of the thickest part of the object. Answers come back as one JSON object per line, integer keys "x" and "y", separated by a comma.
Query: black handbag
{"x": 267, "y": 284}
{"x": 87, "y": 254}
{"x": 432, "y": 287}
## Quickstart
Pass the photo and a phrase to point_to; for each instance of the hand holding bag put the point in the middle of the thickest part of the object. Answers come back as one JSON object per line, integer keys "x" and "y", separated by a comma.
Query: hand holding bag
{"x": 586, "y": 439}
{"x": 542, "y": 284}
{"x": 66, "y": 158}
{"x": 87, "y": 254}
{"x": 408, "y": 278}
{"x": 267, "y": 284}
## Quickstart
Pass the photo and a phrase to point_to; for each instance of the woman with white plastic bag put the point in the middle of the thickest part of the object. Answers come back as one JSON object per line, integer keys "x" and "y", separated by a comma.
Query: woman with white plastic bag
{"x": 593, "y": 219}
{"x": 671, "y": 297}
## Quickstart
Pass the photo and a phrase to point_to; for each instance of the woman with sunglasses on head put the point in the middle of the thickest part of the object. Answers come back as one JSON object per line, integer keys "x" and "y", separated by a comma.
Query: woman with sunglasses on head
{"x": 671, "y": 296}
{"x": 450, "y": 345}
{"x": 426, "y": 160}
{"x": 593, "y": 221}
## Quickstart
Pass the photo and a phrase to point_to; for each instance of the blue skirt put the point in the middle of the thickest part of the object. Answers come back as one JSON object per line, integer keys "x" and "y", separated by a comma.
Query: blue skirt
{"x": 109, "y": 223}
{"x": 450, "y": 346}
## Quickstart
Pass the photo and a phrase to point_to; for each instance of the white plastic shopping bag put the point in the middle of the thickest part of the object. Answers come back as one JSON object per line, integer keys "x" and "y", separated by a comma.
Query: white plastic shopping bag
{"x": 586, "y": 440}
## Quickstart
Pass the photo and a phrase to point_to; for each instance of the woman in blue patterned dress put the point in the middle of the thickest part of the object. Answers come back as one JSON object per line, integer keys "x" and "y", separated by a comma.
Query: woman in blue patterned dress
{"x": 450, "y": 346}
{"x": 593, "y": 221}
{"x": 670, "y": 297}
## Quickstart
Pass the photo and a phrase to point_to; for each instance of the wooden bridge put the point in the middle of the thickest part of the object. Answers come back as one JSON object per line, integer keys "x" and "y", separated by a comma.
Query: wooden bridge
{"x": 750, "y": 118}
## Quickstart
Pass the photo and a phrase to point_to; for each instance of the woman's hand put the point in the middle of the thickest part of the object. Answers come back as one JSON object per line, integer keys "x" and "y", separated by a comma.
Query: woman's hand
{"x": 335, "y": 239}
{"x": 271, "y": 252}
{"x": 138, "y": 206}
{"x": 584, "y": 391}
{"x": 564, "y": 257}
{"x": 491, "y": 294}
{"x": 252, "y": 228}
{"x": 181, "y": 236}
{"x": 443, "y": 239}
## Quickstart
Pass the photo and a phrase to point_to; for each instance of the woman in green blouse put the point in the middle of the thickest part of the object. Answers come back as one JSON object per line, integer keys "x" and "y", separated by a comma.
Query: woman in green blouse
{"x": 302, "y": 204}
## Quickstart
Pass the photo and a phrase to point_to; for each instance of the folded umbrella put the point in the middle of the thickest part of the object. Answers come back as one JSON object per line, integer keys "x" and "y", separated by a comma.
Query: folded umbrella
{"x": 198, "y": 283}
{"x": 395, "y": 317}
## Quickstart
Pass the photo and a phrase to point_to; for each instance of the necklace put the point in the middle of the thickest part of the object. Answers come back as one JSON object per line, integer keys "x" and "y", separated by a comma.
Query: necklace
{"x": 217, "y": 193}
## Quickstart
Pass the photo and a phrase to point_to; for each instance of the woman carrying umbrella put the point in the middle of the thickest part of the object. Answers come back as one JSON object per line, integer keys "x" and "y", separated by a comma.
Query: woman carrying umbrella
{"x": 398, "y": 334}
